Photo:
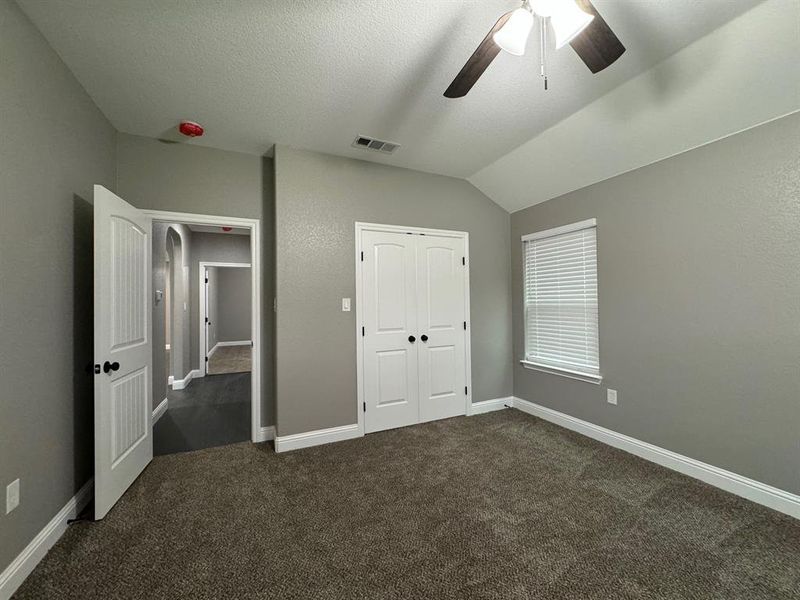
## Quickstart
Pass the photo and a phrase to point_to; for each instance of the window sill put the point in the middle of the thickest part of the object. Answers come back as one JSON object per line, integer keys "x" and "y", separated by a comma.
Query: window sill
{"x": 587, "y": 377}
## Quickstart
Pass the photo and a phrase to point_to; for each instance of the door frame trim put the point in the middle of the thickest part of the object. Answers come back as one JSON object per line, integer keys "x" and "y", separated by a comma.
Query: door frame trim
{"x": 202, "y": 301}
{"x": 360, "y": 227}
{"x": 254, "y": 225}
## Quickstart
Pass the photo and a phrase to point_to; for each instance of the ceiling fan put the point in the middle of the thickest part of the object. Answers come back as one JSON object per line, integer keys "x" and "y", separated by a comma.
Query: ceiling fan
{"x": 574, "y": 22}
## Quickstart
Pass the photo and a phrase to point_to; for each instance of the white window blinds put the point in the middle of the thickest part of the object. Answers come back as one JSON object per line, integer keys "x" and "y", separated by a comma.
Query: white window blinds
{"x": 561, "y": 298}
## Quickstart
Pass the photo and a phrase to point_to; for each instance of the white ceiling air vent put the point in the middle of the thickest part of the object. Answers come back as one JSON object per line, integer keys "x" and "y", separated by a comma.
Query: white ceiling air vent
{"x": 368, "y": 143}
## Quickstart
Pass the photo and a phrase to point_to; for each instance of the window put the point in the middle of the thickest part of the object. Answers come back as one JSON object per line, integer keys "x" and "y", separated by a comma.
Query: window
{"x": 560, "y": 287}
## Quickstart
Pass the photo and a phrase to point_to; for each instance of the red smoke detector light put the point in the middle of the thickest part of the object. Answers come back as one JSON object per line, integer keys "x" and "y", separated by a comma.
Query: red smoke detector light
{"x": 227, "y": 228}
{"x": 190, "y": 128}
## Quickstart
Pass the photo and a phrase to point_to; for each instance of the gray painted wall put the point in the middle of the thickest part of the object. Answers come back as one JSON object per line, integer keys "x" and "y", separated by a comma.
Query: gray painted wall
{"x": 185, "y": 178}
{"x": 699, "y": 292}
{"x": 173, "y": 240}
{"x": 161, "y": 370}
{"x": 55, "y": 145}
{"x": 215, "y": 247}
{"x": 318, "y": 199}
{"x": 233, "y": 304}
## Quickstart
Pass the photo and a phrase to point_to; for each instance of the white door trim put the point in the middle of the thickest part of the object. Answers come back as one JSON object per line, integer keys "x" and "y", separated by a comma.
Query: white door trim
{"x": 360, "y": 227}
{"x": 202, "y": 305}
{"x": 254, "y": 225}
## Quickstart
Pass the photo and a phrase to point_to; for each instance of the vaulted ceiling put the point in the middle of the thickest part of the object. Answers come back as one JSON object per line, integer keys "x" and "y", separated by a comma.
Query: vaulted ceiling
{"x": 314, "y": 74}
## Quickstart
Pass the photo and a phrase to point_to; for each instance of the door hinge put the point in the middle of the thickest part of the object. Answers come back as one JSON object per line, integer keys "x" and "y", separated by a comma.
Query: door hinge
{"x": 465, "y": 391}
{"x": 465, "y": 325}
{"x": 362, "y": 331}
{"x": 464, "y": 260}
{"x": 206, "y": 359}
{"x": 362, "y": 256}
{"x": 206, "y": 279}
{"x": 365, "y": 407}
{"x": 206, "y": 319}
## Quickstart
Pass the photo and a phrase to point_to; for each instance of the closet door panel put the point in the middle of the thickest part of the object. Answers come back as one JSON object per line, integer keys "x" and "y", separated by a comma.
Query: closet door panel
{"x": 391, "y": 390}
{"x": 441, "y": 317}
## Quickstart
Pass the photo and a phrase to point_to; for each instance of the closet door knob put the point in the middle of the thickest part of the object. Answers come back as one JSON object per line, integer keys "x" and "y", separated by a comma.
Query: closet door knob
{"x": 424, "y": 338}
{"x": 412, "y": 339}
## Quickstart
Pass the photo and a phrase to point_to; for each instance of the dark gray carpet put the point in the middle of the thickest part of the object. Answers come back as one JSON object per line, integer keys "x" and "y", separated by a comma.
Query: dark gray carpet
{"x": 500, "y": 506}
{"x": 212, "y": 411}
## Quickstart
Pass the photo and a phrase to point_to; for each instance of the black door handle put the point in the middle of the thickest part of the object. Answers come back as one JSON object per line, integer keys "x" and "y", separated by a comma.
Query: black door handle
{"x": 424, "y": 338}
{"x": 412, "y": 339}
{"x": 107, "y": 366}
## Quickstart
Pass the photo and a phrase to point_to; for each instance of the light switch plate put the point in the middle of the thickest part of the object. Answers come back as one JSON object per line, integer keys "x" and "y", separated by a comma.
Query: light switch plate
{"x": 345, "y": 304}
{"x": 12, "y": 495}
{"x": 611, "y": 396}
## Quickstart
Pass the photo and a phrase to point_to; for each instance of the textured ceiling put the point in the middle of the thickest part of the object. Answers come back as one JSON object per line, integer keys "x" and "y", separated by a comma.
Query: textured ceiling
{"x": 314, "y": 74}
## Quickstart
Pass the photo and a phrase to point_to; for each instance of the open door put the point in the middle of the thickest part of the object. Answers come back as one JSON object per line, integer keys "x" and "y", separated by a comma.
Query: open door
{"x": 123, "y": 391}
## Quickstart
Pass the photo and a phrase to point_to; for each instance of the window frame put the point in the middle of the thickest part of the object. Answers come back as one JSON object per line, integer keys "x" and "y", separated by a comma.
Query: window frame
{"x": 571, "y": 373}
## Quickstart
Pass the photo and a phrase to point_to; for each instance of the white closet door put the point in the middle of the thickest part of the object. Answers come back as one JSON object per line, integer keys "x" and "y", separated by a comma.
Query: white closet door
{"x": 441, "y": 318}
{"x": 389, "y": 321}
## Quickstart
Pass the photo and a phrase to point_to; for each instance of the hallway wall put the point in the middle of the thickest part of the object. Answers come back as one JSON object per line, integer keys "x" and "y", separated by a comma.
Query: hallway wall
{"x": 180, "y": 344}
{"x": 234, "y": 301}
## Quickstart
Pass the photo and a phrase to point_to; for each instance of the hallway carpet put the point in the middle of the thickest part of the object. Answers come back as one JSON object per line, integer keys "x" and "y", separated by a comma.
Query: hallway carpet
{"x": 500, "y": 506}
{"x": 212, "y": 411}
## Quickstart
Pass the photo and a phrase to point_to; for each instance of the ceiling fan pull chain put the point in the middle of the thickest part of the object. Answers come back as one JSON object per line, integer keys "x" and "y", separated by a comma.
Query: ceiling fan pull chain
{"x": 543, "y": 50}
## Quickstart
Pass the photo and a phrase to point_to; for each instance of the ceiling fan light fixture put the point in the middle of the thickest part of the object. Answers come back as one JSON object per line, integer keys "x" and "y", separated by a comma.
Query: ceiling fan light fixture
{"x": 513, "y": 36}
{"x": 568, "y": 20}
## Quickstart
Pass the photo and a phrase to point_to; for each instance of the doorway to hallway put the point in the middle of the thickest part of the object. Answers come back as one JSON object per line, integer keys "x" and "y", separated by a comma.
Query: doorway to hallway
{"x": 209, "y": 316}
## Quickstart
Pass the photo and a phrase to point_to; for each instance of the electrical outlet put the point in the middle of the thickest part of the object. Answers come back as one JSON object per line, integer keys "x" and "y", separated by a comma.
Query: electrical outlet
{"x": 345, "y": 304}
{"x": 611, "y": 396}
{"x": 12, "y": 495}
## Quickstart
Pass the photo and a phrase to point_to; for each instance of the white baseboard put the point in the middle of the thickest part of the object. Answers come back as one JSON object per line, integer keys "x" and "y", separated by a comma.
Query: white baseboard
{"x": 159, "y": 410}
{"x": 750, "y": 489}
{"x": 484, "y": 406}
{"x": 23, "y": 565}
{"x": 285, "y": 443}
{"x": 265, "y": 434}
{"x": 180, "y": 384}
{"x": 223, "y": 344}
{"x": 236, "y": 343}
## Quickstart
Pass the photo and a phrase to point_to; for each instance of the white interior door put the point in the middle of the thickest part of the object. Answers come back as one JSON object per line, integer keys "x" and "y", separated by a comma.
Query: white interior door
{"x": 389, "y": 330}
{"x": 442, "y": 327}
{"x": 122, "y": 347}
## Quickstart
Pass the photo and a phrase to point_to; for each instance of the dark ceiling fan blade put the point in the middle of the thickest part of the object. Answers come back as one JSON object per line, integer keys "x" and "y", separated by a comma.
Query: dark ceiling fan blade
{"x": 477, "y": 63}
{"x": 597, "y": 45}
